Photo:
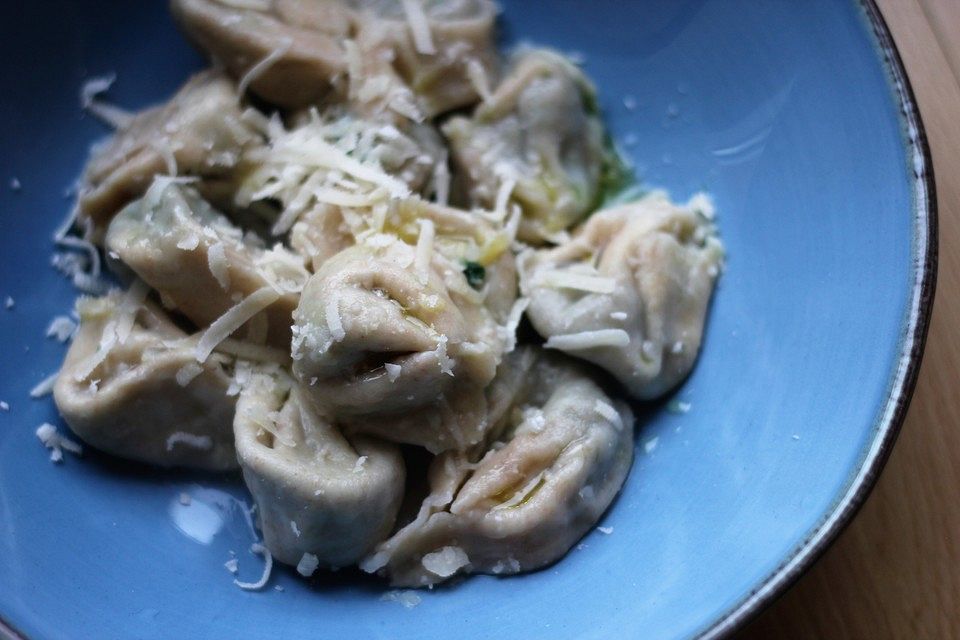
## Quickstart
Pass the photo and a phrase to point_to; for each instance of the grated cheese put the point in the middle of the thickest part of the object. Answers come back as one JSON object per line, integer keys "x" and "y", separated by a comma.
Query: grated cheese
{"x": 267, "y": 568}
{"x": 358, "y": 465}
{"x": 9, "y": 303}
{"x": 651, "y": 444}
{"x": 588, "y": 340}
{"x": 232, "y": 565}
{"x": 219, "y": 266}
{"x": 126, "y": 313}
{"x": 45, "y": 386}
{"x": 446, "y": 561}
{"x": 308, "y": 565}
{"x": 261, "y": 67}
{"x": 187, "y": 373}
{"x": 441, "y": 181}
{"x": 508, "y": 332}
{"x": 393, "y": 371}
{"x": 503, "y": 197}
{"x": 477, "y": 76}
{"x": 233, "y": 319}
{"x": 61, "y": 328}
{"x": 4, "y": 406}
{"x": 605, "y": 530}
{"x": 204, "y": 443}
{"x": 332, "y": 314}
{"x": 424, "y": 250}
{"x": 608, "y": 413}
{"x": 189, "y": 242}
{"x": 558, "y": 279}
{"x": 56, "y": 443}
{"x": 419, "y": 27}
{"x": 295, "y": 528}
{"x": 407, "y": 597}
{"x": 110, "y": 114}
{"x": 445, "y": 362}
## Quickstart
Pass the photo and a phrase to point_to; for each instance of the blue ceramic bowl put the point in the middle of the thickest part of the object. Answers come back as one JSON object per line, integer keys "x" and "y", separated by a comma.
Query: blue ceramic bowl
{"x": 795, "y": 115}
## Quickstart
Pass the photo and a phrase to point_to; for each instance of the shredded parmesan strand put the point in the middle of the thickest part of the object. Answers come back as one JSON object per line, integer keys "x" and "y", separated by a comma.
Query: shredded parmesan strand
{"x": 267, "y": 569}
{"x": 608, "y": 413}
{"x": 588, "y": 340}
{"x": 233, "y": 319}
{"x": 559, "y": 279}
{"x": 130, "y": 303}
{"x": 308, "y": 565}
{"x": 261, "y": 67}
{"x": 477, "y": 76}
{"x": 419, "y": 27}
{"x": 61, "y": 328}
{"x": 424, "y": 250}
{"x": 45, "y": 386}
{"x": 204, "y": 443}
{"x": 508, "y": 332}
{"x": 187, "y": 373}
{"x": 57, "y": 443}
{"x": 219, "y": 265}
{"x": 332, "y": 313}
{"x": 503, "y": 198}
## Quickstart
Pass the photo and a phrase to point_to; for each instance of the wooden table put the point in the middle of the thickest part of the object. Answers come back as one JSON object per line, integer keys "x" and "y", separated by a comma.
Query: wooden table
{"x": 895, "y": 571}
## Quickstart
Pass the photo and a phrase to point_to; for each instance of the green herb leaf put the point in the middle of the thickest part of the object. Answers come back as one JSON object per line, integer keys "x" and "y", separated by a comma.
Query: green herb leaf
{"x": 475, "y": 274}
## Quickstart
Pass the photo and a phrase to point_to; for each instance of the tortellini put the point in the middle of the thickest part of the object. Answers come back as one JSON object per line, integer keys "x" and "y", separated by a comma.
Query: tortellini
{"x": 201, "y": 263}
{"x": 333, "y": 241}
{"x": 629, "y": 292}
{"x": 539, "y": 132}
{"x": 443, "y": 65}
{"x": 301, "y": 43}
{"x": 545, "y": 479}
{"x": 317, "y": 492}
{"x": 391, "y": 344}
{"x": 130, "y": 386}
{"x": 199, "y": 132}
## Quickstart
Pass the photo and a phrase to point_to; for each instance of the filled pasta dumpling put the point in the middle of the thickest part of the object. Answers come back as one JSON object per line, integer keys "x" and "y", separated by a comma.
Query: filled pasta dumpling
{"x": 301, "y": 42}
{"x": 199, "y": 132}
{"x": 131, "y": 386}
{"x": 202, "y": 264}
{"x": 538, "y": 141}
{"x": 323, "y": 499}
{"x": 545, "y": 476}
{"x": 629, "y": 292}
{"x": 393, "y": 344}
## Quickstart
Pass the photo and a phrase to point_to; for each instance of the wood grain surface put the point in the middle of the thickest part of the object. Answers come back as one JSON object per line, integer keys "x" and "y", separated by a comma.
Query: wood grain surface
{"x": 895, "y": 571}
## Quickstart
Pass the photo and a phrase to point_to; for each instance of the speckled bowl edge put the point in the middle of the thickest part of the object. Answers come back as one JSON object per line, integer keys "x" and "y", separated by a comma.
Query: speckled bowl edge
{"x": 904, "y": 378}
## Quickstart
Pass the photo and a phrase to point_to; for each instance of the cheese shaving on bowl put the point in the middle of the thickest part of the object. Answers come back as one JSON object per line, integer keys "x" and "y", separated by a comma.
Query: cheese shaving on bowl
{"x": 259, "y": 549}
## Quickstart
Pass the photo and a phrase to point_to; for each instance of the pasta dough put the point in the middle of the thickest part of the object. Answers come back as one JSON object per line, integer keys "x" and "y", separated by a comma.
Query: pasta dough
{"x": 520, "y": 503}
{"x": 629, "y": 292}
{"x": 317, "y": 492}
{"x": 130, "y": 386}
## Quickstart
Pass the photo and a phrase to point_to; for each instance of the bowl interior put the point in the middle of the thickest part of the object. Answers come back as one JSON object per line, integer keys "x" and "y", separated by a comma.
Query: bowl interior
{"x": 782, "y": 110}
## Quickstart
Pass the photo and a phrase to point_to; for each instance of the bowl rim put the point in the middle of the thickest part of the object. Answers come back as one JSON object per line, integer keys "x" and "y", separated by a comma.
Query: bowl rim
{"x": 894, "y": 412}
{"x": 904, "y": 379}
